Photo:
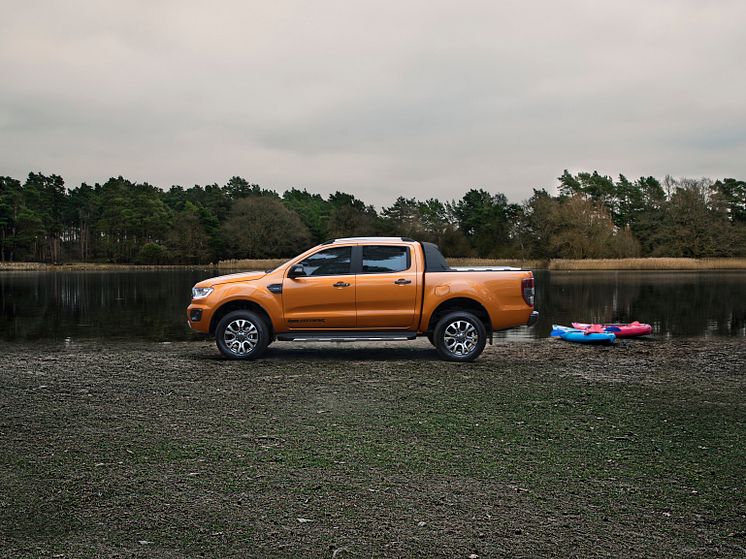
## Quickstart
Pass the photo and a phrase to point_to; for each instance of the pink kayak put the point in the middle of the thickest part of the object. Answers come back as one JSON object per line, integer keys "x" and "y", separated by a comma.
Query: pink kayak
{"x": 631, "y": 330}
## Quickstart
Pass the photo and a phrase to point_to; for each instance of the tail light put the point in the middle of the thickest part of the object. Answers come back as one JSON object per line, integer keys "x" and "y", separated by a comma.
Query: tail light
{"x": 527, "y": 289}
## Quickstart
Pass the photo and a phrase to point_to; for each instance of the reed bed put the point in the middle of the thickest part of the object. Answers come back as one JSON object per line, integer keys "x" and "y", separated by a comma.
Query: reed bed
{"x": 251, "y": 264}
{"x": 557, "y": 264}
{"x": 650, "y": 264}
{"x": 23, "y": 266}
{"x": 661, "y": 264}
{"x": 93, "y": 266}
{"x": 517, "y": 263}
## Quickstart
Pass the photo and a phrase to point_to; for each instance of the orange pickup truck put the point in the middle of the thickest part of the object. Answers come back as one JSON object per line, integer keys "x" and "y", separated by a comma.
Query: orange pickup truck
{"x": 364, "y": 289}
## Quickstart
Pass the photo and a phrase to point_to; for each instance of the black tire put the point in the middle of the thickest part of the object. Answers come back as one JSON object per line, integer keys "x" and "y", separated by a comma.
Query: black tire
{"x": 459, "y": 336}
{"x": 237, "y": 331}
{"x": 430, "y": 338}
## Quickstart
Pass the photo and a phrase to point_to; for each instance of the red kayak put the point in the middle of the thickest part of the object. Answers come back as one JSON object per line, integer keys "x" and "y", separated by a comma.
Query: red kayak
{"x": 631, "y": 330}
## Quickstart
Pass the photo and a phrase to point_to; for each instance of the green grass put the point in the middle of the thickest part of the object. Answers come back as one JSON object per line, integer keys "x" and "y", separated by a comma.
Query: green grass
{"x": 535, "y": 449}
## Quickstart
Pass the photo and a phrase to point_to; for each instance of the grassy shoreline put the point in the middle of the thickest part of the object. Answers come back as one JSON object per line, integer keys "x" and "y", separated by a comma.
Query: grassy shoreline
{"x": 535, "y": 450}
{"x": 604, "y": 264}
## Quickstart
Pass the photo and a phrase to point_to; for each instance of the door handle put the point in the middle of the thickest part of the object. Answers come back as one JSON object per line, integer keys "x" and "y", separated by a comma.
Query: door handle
{"x": 341, "y": 284}
{"x": 402, "y": 281}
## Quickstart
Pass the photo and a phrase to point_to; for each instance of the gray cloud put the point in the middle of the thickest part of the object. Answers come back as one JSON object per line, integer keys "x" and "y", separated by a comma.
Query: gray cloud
{"x": 376, "y": 98}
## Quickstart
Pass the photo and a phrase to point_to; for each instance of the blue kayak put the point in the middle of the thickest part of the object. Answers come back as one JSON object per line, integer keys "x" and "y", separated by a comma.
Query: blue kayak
{"x": 582, "y": 337}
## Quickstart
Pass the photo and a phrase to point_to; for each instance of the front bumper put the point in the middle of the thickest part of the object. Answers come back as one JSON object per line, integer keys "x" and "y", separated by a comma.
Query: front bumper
{"x": 533, "y": 319}
{"x": 198, "y": 318}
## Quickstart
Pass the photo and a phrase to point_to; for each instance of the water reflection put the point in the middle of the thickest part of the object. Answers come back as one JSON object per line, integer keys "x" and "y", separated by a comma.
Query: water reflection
{"x": 150, "y": 304}
{"x": 675, "y": 303}
{"x": 97, "y": 304}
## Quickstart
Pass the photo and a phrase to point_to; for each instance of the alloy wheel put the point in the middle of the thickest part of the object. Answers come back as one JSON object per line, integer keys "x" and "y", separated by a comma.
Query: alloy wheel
{"x": 241, "y": 336}
{"x": 460, "y": 337}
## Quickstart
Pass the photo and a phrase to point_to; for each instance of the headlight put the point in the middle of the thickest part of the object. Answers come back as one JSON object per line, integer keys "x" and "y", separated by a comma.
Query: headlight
{"x": 201, "y": 292}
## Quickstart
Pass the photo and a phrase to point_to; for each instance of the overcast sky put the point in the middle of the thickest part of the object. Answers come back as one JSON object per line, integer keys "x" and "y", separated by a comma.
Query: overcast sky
{"x": 378, "y": 98}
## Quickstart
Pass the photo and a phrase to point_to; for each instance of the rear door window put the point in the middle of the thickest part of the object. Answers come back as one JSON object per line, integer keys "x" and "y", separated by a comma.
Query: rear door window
{"x": 382, "y": 259}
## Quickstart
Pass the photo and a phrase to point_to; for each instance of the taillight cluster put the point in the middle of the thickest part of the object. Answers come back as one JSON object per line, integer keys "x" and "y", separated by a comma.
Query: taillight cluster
{"x": 527, "y": 289}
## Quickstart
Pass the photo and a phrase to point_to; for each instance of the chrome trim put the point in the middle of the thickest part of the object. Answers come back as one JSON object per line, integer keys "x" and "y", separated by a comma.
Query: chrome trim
{"x": 349, "y": 339}
{"x": 486, "y": 269}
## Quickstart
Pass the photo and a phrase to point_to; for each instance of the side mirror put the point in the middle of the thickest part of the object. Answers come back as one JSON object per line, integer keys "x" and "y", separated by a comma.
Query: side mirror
{"x": 296, "y": 271}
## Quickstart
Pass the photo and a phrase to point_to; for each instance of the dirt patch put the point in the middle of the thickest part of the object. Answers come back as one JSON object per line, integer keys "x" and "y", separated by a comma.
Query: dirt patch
{"x": 537, "y": 449}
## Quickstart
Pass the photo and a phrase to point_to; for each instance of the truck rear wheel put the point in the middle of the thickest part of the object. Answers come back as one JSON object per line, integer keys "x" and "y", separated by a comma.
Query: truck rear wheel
{"x": 242, "y": 335}
{"x": 459, "y": 336}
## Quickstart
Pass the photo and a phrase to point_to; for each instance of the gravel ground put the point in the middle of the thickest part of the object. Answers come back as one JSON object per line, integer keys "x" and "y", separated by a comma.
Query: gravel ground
{"x": 537, "y": 449}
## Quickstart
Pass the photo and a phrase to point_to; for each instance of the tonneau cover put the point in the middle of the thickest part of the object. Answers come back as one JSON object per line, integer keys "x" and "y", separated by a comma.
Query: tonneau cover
{"x": 435, "y": 262}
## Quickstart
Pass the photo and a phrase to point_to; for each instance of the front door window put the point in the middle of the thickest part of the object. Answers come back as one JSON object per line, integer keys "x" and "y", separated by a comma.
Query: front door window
{"x": 329, "y": 262}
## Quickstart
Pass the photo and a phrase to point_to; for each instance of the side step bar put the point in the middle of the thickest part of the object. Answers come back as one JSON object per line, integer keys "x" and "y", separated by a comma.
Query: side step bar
{"x": 364, "y": 336}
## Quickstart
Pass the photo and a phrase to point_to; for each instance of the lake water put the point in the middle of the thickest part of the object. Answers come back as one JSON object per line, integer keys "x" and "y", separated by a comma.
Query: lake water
{"x": 150, "y": 305}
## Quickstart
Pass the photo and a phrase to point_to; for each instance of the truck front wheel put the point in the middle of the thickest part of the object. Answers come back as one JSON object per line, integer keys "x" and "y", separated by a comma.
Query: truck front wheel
{"x": 459, "y": 336}
{"x": 242, "y": 335}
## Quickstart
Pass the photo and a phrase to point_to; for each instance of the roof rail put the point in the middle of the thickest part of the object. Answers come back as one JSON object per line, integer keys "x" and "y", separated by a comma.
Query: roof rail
{"x": 370, "y": 239}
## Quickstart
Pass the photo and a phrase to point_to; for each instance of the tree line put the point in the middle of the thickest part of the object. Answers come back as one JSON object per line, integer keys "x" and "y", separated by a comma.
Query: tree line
{"x": 592, "y": 216}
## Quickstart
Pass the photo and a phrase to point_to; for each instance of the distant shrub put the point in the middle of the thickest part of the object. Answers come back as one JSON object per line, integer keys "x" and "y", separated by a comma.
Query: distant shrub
{"x": 153, "y": 253}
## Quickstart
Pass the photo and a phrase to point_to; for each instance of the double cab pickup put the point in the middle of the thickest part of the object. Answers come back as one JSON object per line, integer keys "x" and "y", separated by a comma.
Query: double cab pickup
{"x": 364, "y": 289}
